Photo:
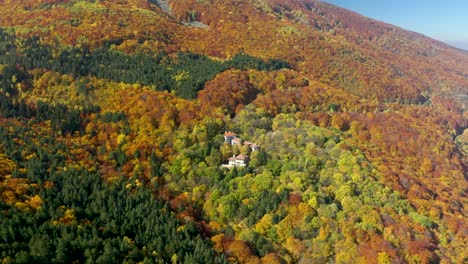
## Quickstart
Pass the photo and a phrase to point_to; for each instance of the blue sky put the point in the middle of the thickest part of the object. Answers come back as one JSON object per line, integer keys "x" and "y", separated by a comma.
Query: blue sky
{"x": 445, "y": 20}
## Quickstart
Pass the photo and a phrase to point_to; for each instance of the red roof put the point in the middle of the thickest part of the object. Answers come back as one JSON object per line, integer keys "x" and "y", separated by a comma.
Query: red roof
{"x": 229, "y": 134}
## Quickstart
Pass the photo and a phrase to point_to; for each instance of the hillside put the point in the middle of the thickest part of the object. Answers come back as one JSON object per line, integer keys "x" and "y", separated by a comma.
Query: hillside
{"x": 112, "y": 116}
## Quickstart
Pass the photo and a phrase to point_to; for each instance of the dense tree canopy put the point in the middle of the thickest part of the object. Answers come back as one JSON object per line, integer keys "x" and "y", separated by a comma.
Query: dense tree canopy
{"x": 112, "y": 116}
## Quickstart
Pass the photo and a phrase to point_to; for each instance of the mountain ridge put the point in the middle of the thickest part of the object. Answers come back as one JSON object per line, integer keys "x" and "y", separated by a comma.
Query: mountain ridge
{"x": 351, "y": 45}
{"x": 414, "y": 76}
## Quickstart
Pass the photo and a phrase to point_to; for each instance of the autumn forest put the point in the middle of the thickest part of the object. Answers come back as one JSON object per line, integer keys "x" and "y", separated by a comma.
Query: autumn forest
{"x": 113, "y": 124}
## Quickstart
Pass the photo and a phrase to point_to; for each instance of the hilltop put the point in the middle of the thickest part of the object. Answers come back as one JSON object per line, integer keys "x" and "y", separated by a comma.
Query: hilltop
{"x": 112, "y": 115}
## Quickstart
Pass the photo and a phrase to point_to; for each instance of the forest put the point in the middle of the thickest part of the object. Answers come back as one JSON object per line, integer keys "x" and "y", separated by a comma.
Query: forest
{"x": 111, "y": 136}
{"x": 184, "y": 73}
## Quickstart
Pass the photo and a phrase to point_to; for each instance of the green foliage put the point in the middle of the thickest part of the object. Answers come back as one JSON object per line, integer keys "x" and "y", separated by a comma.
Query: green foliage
{"x": 83, "y": 219}
{"x": 309, "y": 190}
{"x": 62, "y": 117}
{"x": 185, "y": 73}
{"x": 244, "y": 61}
{"x": 112, "y": 117}
{"x": 421, "y": 219}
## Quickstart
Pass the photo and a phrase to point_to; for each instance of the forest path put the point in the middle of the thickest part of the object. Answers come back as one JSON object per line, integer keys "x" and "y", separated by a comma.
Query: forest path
{"x": 164, "y": 5}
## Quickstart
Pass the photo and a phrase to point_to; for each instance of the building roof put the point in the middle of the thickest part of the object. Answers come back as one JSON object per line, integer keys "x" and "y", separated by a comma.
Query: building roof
{"x": 251, "y": 145}
{"x": 239, "y": 157}
{"x": 229, "y": 134}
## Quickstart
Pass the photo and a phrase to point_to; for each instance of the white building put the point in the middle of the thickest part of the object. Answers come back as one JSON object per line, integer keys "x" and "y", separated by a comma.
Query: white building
{"x": 229, "y": 136}
{"x": 239, "y": 161}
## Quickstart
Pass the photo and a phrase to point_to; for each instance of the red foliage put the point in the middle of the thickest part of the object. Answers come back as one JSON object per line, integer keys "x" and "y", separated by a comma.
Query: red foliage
{"x": 294, "y": 198}
{"x": 227, "y": 90}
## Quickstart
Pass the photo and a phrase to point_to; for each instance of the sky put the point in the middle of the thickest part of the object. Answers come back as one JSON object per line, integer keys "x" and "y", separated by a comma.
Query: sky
{"x": 444, "y": 20}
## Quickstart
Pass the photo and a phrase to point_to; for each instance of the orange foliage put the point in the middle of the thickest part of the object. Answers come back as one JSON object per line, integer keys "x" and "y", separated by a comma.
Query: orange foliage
{"x": 35, "y": 202}
{"x": 272, "y": 258}
{"x": 338, "y": 59}
{"x": 6, "y": 166}
{"x": 13, "y": 189}
{"x": 326, "y": 43}
{"x": 238, "y": 250}
{"x": 228, "y": 90}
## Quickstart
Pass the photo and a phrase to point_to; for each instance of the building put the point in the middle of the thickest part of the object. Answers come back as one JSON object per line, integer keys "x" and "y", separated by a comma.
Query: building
{"x": 229, "y": 136}
{"x": 241, "y": 160}
{"x": 238, "y": 161}
{"x": 253, "y": 146}
{"x": 236, "y": 141}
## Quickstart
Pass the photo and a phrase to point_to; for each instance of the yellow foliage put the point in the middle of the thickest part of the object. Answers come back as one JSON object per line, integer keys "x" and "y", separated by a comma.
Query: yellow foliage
{"x": 68, "y": 217}
{"x": 272, "y": 258}
{"x": 304, "y": 208}
{"x": 323, "y": 232}
{"x": 294, "y": 246}
{"x": 383, "y": 258}
{"x": 138, "y": 183}
{"x": 198, "y": 192}
{"x": 427, "y": 166}
{"x": 6, "y": 165}
{"x": 264, "y": 224}
{"x": 120, "y": 138}
{"x": 174, "y": 258}
{"x": 22, "y": 206}
{"x": 313, "y": 202}
{"x": 181, "y": 228}
{"x": 183, "y": 75}
{"x": 35, "y": 202}
{"x": 128, "y": 240}
{"x": 215, "y": 226}
{"x": 8, "y": 196}
{"x": 218, "y": 242}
